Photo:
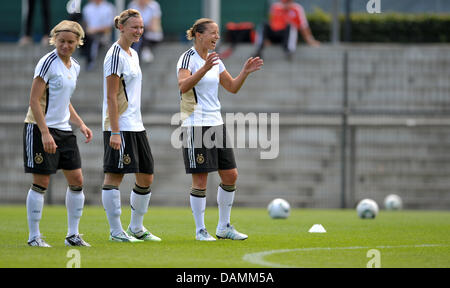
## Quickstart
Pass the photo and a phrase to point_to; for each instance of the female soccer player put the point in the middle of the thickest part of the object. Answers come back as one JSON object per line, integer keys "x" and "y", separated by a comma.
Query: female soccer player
{"x": 199, "y": 75}
{"x": 126, "y": 145}
{"x": 49, "y": 143}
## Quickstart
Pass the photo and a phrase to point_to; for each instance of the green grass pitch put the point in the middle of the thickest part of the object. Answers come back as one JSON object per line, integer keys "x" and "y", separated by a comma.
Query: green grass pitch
{"x": 402, "y": 238}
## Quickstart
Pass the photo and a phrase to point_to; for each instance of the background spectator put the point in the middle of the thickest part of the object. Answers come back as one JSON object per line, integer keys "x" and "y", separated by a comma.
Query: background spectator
{"x": 98, "y": 18}
{"x": 45, "y": 10}
{"x": 286, "y": 19}
{"x": 151, "y": 14}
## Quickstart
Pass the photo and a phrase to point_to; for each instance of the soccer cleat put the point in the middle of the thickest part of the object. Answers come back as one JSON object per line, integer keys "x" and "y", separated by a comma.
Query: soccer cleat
{"x": 203, "y": 235}
{"x": 38, "y": 242}
{"x": 123, "y": 237}
{"x": 230, "y": 233}
{"x": 75, "y": 240}
{"x": 144, "y": 235}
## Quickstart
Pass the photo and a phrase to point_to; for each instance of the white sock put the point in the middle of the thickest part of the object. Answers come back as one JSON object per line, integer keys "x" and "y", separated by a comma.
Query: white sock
{"x": 111, "y": 203}
{"x": 74, "y": 205}
{"x": 35, "y": 204}
{"x": 225, "y": 202}
{"x": 198, "y": 205}
{"x": 139, "y": 206}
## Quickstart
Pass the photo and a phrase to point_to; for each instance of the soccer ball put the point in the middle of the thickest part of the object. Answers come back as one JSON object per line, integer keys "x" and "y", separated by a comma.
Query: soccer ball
{"x": 367, "y": 209}
{"x": 393, "y": 202}
{"x": 279, "y": 208}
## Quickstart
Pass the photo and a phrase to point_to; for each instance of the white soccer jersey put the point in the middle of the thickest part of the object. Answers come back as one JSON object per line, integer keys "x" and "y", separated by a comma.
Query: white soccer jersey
{"x": 118, "y": 62}
{"x": 60, "y": 82}
{"x": 201, "y": 104}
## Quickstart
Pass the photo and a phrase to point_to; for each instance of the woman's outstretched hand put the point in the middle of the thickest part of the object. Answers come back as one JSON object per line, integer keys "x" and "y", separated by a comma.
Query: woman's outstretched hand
{"x": 252, "y": 64}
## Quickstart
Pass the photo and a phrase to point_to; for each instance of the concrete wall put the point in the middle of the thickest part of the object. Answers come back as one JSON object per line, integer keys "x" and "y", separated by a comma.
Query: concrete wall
{"x": 407, "y": 153}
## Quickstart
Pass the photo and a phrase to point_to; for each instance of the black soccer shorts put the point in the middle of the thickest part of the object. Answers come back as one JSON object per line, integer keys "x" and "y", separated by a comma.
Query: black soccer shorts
{"x": 36, "y": 160}
{"x": 134, "y": 155}
{"x": 206, "y": 149}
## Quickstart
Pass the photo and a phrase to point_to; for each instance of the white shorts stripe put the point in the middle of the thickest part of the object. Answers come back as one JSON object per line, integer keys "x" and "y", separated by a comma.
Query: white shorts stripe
{"x": 194, "y": 164}
{"x": 191, "y": 152}
{"x": 122, "y": 149}
{"x": 188, "y": 133}
{"x": 29, "y": 143}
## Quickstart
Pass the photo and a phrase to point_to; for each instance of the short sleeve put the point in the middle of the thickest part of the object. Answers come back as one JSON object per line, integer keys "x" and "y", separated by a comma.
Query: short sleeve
{"x": 113, "y": 63}
{"x": 185, "y": 61}
{"x": 302, "y": 18}
{"x": 221, "y": 67}
{"x": 76, "y": 65}
{"x": 156, "y": 9}
{"x": 44, "y": 67}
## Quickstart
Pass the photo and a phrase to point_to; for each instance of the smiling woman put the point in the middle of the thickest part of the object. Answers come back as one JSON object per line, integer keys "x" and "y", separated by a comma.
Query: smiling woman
{"x": 67, "y": 26}
{"x": 131, "y": 27}
{"x": 49, "y": 143}
{"x": 126, "y": 144}
{"x": 66, "y": 37}
{"x": 200, "y": 72}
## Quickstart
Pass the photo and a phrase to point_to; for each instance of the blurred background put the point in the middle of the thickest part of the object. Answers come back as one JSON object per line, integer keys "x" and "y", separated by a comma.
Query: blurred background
{"x": 363, "y": 100}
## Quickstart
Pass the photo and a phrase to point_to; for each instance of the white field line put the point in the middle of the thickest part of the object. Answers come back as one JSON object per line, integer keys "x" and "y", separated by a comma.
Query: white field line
{"x": 258, "y": 257}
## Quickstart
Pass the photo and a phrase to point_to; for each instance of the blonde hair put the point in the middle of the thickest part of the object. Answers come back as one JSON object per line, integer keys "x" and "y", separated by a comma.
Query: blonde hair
{"x": 67, "y": 26}
{"x": 124, "y": 16}
{"x": 199, "y": 26}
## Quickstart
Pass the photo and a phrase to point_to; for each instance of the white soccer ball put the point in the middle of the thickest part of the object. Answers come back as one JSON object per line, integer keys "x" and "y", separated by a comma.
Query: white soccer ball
{"x": 367, "y": 209}
{"x": 393, "y": 202}
{"x": 279, "y": 208}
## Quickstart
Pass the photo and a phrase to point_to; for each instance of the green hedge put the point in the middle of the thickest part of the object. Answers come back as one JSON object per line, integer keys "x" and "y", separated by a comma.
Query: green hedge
{"x": 385, "y": 27}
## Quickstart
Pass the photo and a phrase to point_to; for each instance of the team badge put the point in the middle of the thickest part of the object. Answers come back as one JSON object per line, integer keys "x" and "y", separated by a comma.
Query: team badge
{"x": 126, "y": 159}
{"x": 200, "y": 159}
{"x": 38, "y": 158}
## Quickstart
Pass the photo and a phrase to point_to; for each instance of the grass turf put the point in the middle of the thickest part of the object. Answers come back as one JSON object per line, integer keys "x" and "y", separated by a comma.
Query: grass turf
{"x": 401, "y": 237}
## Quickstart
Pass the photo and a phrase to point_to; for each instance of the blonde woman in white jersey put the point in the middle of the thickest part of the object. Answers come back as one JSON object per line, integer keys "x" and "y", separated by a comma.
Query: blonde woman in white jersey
{"x": 199, "y": 74}
{"x": 48, "y": 141}
{"x": 126, "y": 145}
